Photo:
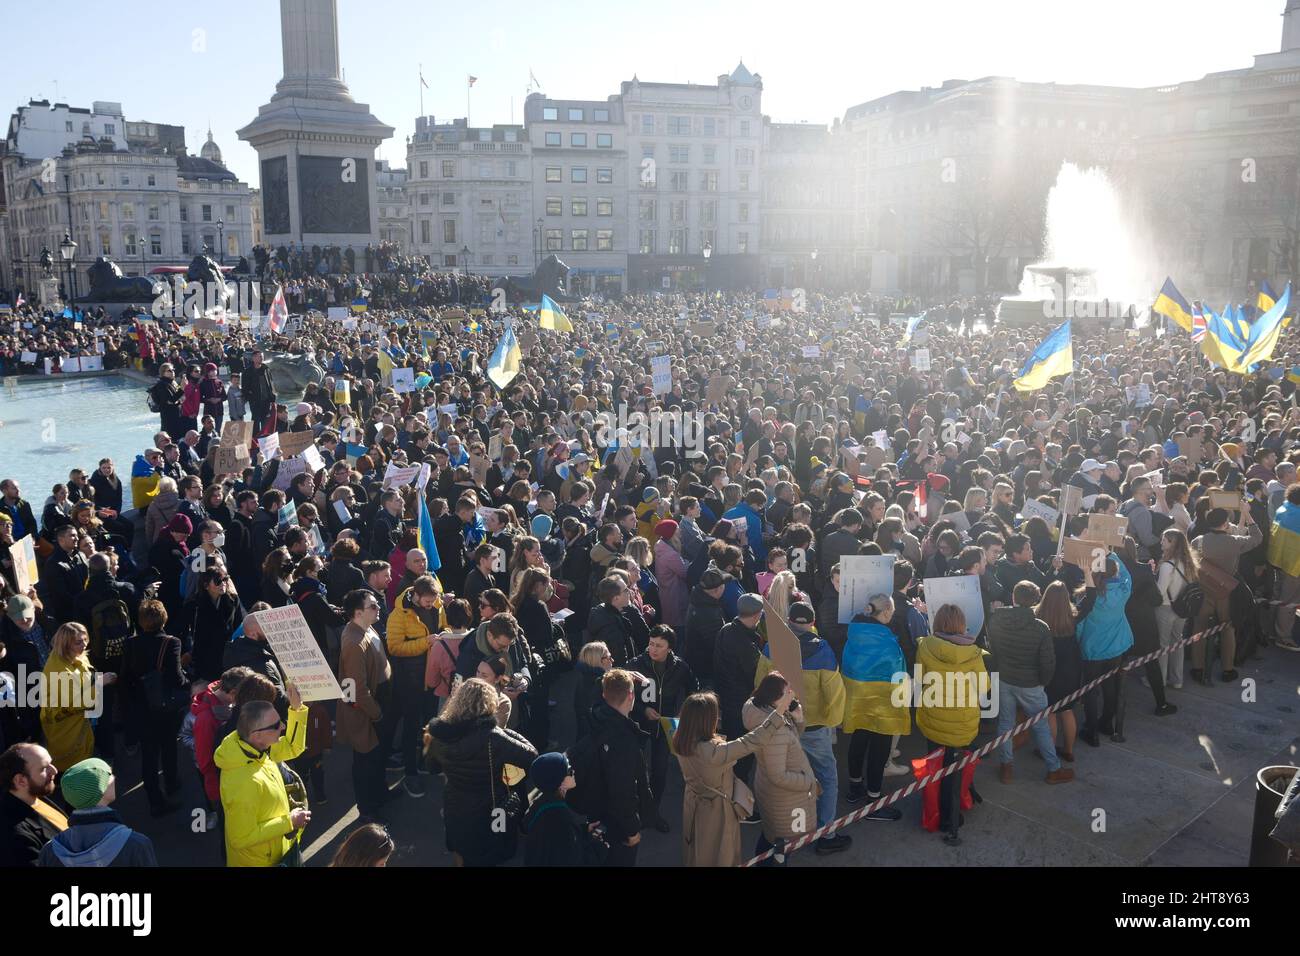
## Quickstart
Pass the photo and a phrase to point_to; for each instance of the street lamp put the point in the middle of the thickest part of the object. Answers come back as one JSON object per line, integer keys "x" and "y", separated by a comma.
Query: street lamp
{"x": 68, "y": 249}
{"x": 708, "y": 251}
{"x": 464, "y": 257}
{"x": 221, "y": 242}
{"x": 814, "y": 257}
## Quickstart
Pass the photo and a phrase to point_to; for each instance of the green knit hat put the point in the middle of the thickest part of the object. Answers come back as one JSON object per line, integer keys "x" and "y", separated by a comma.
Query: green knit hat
{"x": 84, "y": 784}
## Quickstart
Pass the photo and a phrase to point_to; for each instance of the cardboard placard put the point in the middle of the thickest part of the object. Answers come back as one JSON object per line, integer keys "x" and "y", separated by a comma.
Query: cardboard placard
{"x": 494, "y": 447}
{"x": 783, "y": 648}
{"x": 720, "y": 387}
{"x": 528, "y": 340}
{"x": 1191, "y": 449}
{"x": 861, "y": 576}
{"x": 962, "y": 590}
{"x": 26, "y": 571}
{"x": 478, "y": 469}
{"x": 623, "y": 459}
{"x": 1083, "y": 554}
{"x": 237, "y": 433}
{"x": 294, "y": 443}
{"x": 298, "y": 653}
{"x": 1108, "y": 529}
{"x": 1228, "y": 500}
{"x": 876, "y": 457}
{"x": 230, "y": 459}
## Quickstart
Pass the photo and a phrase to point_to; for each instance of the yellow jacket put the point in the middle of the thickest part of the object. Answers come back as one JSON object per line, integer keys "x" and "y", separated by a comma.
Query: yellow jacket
{"x": 253, "y": 798}
{"x": 70, "y": 692}
{"x": 406, "y": 635}
{"x": 948, "y": 710}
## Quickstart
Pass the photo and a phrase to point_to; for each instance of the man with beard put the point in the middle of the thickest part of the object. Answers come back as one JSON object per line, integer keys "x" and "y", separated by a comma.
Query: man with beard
{"x": 259, "y": 393}
{"x": 28, "y": 820}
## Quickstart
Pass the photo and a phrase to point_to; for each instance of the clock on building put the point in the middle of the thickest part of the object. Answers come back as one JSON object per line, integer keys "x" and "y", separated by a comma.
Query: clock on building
{"x": 745, "y": 102}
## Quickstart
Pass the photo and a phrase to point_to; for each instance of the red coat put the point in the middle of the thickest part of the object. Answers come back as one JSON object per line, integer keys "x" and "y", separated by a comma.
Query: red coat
{"x": 210, "y": 714}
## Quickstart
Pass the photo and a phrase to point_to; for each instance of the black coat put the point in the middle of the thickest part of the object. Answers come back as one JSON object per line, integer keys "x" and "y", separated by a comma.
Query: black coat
{"x": 23, "y": 832}
{"x": 618, "y": 631}
{"x": 262, "y": 536}
{"x": 340, "y": 577}
{"x": 449, "y": 536}
{"x": 20, "y": 723}
{"x": 108, "y": 491}
{"x": 625, "y": 798}
{"x": 64, "y": 578}
{"x": 141, "y": 658}
{"x": 704, "y": 619}
{"x": 735, "y": 661}
{"x": 256, "y": 656}
{"x": 670, "y": 683}
{"x": 554, "y": 832}
{"x": 472, "y": 754}
{"x": 205, "y": 628}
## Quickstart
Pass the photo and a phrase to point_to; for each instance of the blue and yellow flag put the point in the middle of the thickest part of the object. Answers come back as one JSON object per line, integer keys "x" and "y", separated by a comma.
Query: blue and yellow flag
{"x": 360, "y": 304}
{"x": 1054, "y": 357}
{"x": 551, "y": 316}
{"x": 425, "y": 534}
{"x": 868, "y": 667}
{"x": 1266, "y": 299}
{"x": 506, "y": 361}
{"x": 386, "y": 366}
{"x": 1170, "y": 303}
{"x": 1265, "y": 332}
{"x": 1284, "y": 541}
{"x": 1222, "y": 345}
{"x": 429, "y": 339}
{"x": 912, "y": 323}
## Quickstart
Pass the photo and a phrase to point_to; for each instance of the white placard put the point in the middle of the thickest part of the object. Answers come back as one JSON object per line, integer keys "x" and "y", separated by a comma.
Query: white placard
{"x": 812, "y": 351}
{"x": 312, "y": 456}
{"x": 403, "y": 380}
{"x": 881, "y": 439}
{"x": 1139, "y": 395}
{"x": 269, "y": 446}
{"x": 451, "y": 409}
{"x": 962, "y": 590}
{"x": 921, "y": 360}
{"x": 349, "y": 325}
{"x": 290, "y": 468}
{"x": 1036, "y": 509}
{"x": 338, "y": 312}
{"x": 27, "y": 358}
{"x": 298, "y": 653}
{"x": 740, "y": 345}
{"x": 341, "y": 510}
{"x": 661, "y": 369}
{"x": 861, "y": 576}
{"x": 395, "y": 476}
{"x": 963, "y": 439}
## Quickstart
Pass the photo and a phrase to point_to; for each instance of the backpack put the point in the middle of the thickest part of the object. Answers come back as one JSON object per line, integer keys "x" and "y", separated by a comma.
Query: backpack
{"x": 1188, "y": 603}
{"x": 588, "y": 773}
{"x": 110, "y": 628}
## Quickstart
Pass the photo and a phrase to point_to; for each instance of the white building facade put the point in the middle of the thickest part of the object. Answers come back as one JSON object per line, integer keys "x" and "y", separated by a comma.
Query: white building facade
{"x": 394, "y": 210}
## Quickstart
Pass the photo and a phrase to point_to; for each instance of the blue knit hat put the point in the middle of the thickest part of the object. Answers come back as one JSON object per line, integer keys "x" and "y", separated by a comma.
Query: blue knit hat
{"x": 548, "y": 771}
{"x": 541, "y": 526}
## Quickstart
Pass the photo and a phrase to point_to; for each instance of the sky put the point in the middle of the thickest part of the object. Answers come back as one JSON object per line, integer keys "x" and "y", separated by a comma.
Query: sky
{"x": 196, "y": 64}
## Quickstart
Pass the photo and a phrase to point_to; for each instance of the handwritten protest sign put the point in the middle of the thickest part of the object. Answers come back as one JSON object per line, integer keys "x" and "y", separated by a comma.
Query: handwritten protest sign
{"x": 298, "y": 653}
{"x": 1036, "y": 509}
{"x": 269, "y": 446}
{"x": 1108, "y": 529}
{"x": 395, "y": 475}
{"x": 293, "y": 443}
{"x": 661, "y": 370}
{"x": 237, "y": 433}
{"x": 26, "y": 570}
{"x": 962, "y": 590}
{"x": 1071, "y": 500}
{"x": 783, "y": 648}
{"x": 1085, "y": 555}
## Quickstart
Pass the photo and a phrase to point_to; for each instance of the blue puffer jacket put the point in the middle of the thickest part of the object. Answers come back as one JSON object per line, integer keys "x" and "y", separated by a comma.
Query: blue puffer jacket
{"x": 1105, "y": 633}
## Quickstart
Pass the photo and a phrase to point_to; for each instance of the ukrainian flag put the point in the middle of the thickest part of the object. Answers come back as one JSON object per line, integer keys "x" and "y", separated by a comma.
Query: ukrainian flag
{"x": 912, "y": 323}
{"x": 360, "y": 304}
{"x": 1055, "y": 356}
{"x": 1222, "y": 344}
{"x": 506, "y": 361}
{"x": 870, "y": 660}
{"x": 425, "y": 534}
{"x": 386, "y": 366}
{"x": 551, "y": 316}
{"x": 1266, "y": 299}
{"x": 342, "y": 392}
{"x": 1284, "y": 542}
{"x": 1170, "y": 303}
{"x": 1266, "y": 331}
{"x": 428, "y": 339}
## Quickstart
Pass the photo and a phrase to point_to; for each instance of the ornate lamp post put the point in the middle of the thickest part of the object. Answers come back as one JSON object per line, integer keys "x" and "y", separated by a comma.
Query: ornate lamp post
{"x": 68, "y": 249}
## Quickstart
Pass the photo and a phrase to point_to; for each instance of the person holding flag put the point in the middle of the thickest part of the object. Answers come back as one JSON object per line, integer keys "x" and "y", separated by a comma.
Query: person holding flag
{"x": 1171, "y": 304}
{"x": 1054, "y": 357}
{"x": 506, "y": 361}
{"x": 279, "y": 312}
{"x": 551, "y": 316}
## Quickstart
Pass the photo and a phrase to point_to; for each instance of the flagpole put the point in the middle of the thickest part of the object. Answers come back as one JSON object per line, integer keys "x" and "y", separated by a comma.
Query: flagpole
{"x": 421, "y": 89}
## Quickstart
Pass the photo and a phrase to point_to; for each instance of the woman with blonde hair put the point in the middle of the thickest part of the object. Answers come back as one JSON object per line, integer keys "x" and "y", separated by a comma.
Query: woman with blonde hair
{"x": 711, "y": 813}
{"x": 527, "y": 553}
{"x": 1178, "y": 566}
{"x": 593, "y": 661}
{"x": 70, "y": 693}
{"x": 474, "y": 752}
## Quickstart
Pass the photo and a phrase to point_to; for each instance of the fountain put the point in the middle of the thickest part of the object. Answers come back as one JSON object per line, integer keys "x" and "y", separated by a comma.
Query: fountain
{"x": 1094, "y": 271}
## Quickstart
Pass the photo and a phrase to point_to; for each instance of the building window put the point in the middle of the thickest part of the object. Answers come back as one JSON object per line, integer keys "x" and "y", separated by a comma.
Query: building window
{"x": 424, "y": 170}
{"x": 709, "y": 211}
{"x": 424, "y": 199}
{"x": 710, "y": 155}
{"x": 604, "y": 240}
{"x": 604, "y": 174}
{"x": 646, "y": 242}
{"x": 128, "y": 210}
{"x": 207, "y": 213}
{"x": 742, "y": 242}
{"x": 511, "y": 136}
{"x": 110, "y": 129}
{"x": 578, "y": 140}
{"x": 604, "y": 207}
{"x": 153, "y": 213}
{"x": 129, "y": 242}
{"x": 648, "y": 124}
{"x": 678, "y": 181}
{"x": 550, "y": 113}
{"x": 512, "y": 168}
{"x": 67, "y": 126}
{"x": 575, "y": 115}
{"x": 677, "y": 210}
{"x": 449, "y": 169}
{"x": 449, "y": 230}
{"x": 512, "y": 260}
{"x": 99, "y": 178}
{"x": 709, "y": 181}
{"x": 604, "y": 140}
{"x": 554, "y": 206}
{"x": 153, "y": 180}
{"x": 710, "y": 126}
{"x": 579, "y": 240}
{"x": 743, "y": 215}
{"x": 554, "y": 139}
{"x": 578, "y": 174}
{"x": 679, "y": 154}
{"x": 708, "y": 237}
{"x": 677, "y": 242}
{"x": 103, "y": 211}
{"x": 554, "y": 174}
{"x": 577, "y": 207}
{"x": 554, "y": 240}
{"x": 230, "y": 214}
{"x": 425, "y": 232}
{"x": 600, "y": 116}
{"x": 648, "y": 210}
{"x": 744, "y": 156}
{"x": 485, "y": 171}
{"x": 126, "y": 180}
{"x": 744, "y": 127}
{"x": 185, "y": 245}
{"x": 744, "y": 182}
{"x": 449, "y": 199}
{"x": 679, "y": 126}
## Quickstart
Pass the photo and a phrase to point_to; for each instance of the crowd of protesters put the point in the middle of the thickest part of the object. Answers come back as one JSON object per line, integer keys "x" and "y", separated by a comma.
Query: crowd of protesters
{"x": 588, "y": 619}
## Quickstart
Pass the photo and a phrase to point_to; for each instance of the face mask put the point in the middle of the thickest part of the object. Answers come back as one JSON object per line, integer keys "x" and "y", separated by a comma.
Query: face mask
{"x": 219, "y": 541}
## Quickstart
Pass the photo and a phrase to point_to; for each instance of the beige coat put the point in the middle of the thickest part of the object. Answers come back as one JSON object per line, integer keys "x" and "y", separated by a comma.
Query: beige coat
{"x": 710, "y": 821}
{"x": 361, "y": 660}
{"x": 784, "y": 785}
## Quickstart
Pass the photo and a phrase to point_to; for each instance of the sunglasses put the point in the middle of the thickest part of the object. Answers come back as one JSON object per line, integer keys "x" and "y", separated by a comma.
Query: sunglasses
{"x": 275, "y": 726}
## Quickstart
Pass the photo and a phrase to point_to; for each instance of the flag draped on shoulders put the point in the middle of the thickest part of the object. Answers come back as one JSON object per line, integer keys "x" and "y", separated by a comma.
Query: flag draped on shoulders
{"x": 1053, "y": 358}
{"x": 1284, "y": 541}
